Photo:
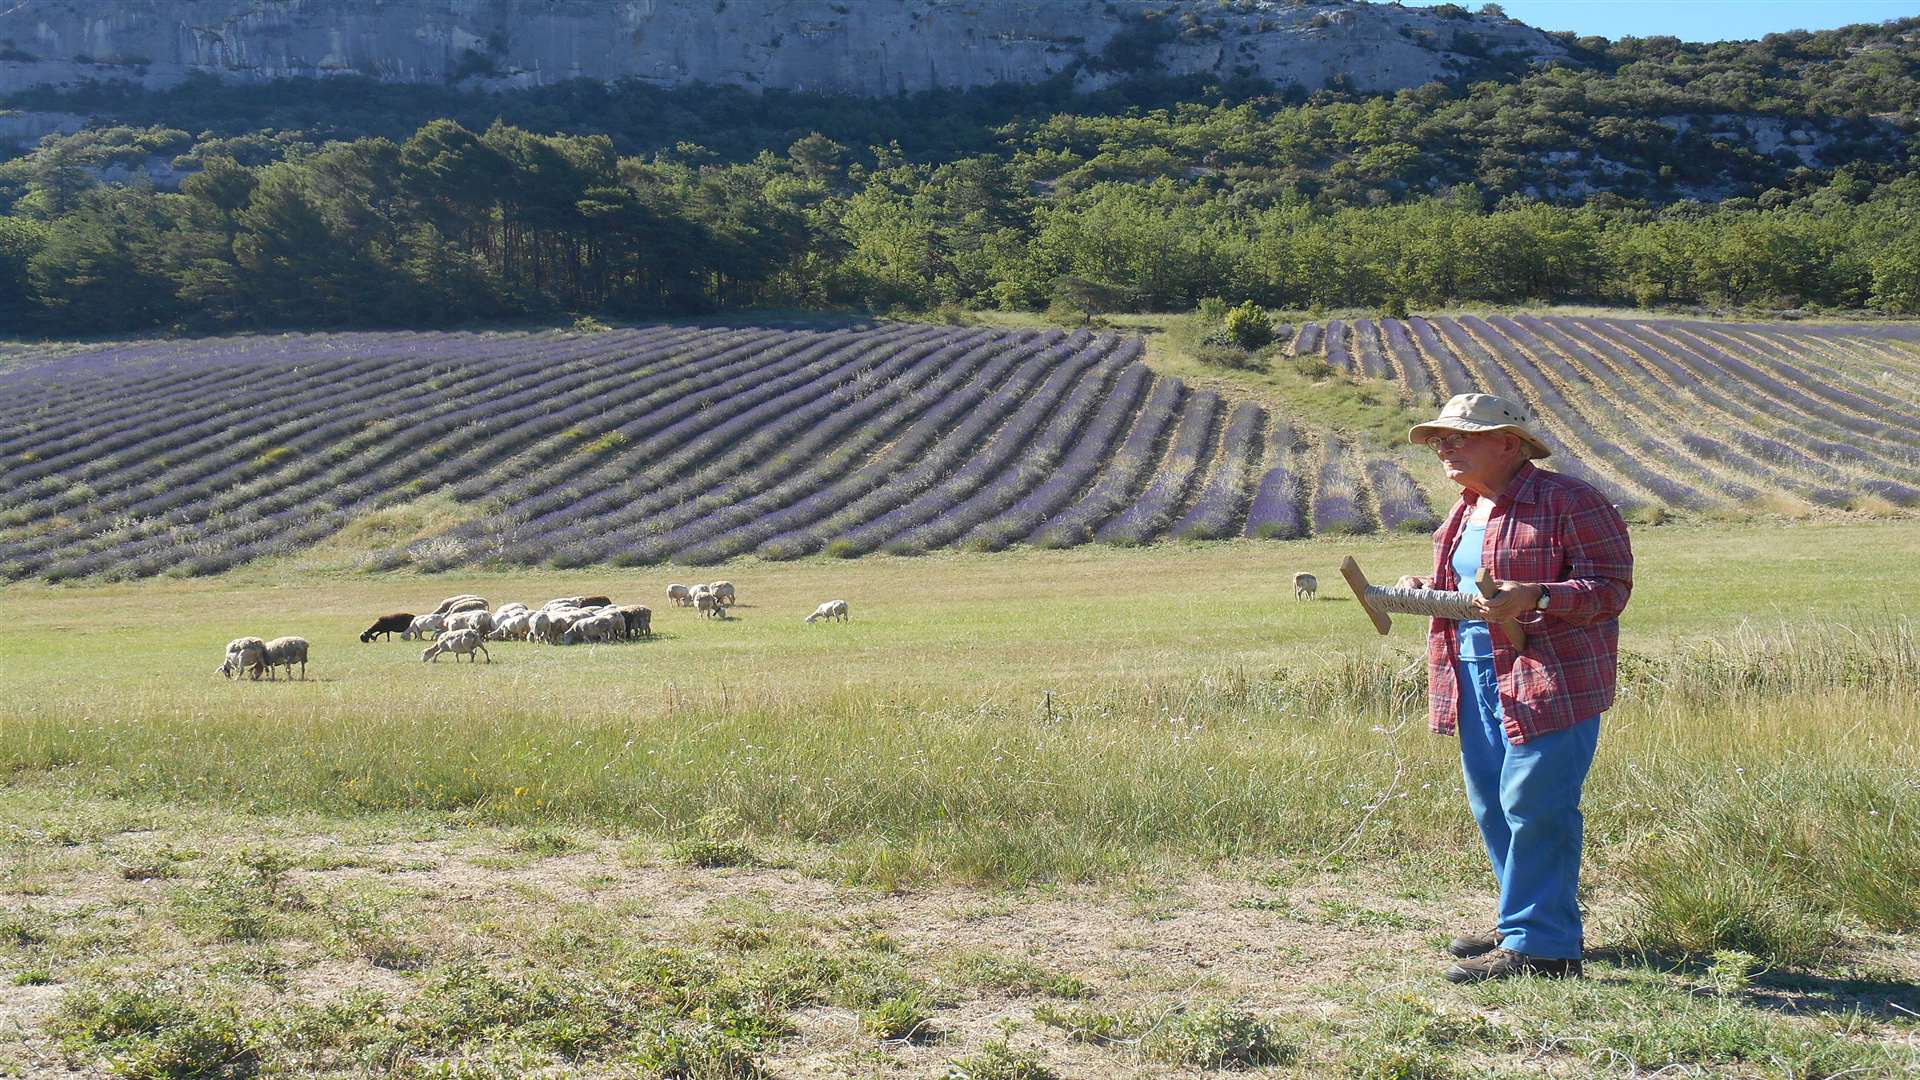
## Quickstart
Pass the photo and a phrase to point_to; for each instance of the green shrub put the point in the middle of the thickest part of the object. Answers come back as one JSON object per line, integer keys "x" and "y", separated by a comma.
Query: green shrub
{"x": 998, "y": 1060}
{"x": 1219, "y": 1037}
{"x": 901, "y": 1017}
{"x": 1249, "y": 326}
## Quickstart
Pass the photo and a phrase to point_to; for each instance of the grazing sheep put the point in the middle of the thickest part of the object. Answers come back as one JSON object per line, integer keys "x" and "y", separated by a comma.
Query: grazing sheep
{"x": 248, "y": 654}
{"x": 1305, "y": 585}
{"x": 595, "y": 602}
{"x": 561, "y": 620}
{"x": 459, "y": 643}
{"x": 398, "y": 622}
{"x": 463, "y": 602}
{"x": 832, "y": 609}
{"x": 286, "y": 652}
{"x": 708, "y": 605}
{"x": 424, "y": 627}
{"x": 505, "y": 610}
{"x": 679, "y": 595}
{"x": 481, "y": 620}
{"x": 637, "y": 617}
{"x": 562, "y": 602}
{"x": 599, "y": 627}
{"x": 722, "y": 591}
{"x": 538, "y": 626}
{"x": 515, "y": 626}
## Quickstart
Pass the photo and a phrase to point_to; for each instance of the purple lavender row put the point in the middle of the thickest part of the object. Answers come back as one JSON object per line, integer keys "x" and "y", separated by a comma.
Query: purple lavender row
{"x": 1482, "y": 363}
{"x": 190, "y": 491}
{"x": 909, "y": 470}
{"x": 680, "y": 476}
{"x": 1155, "y": 506}
{"x": 1737, "y": 413}
{"x": 1401, "y": 504}
{"x": 49, "y": 423}
{"x": 561, "y": 475}
{"x": 678, "y": 424}
{"x": 328, "y": 477}
{"x": 780, "y": 520}
{"x": 1274, "y": 513}
{"x": 1751, "y": 382}
{"x": 712, "y": 527}
{"x": 1120, "y": 475}
{"x": 1079, "y": 465}
{"x": 1454, "y": 378}
{"x": 1871, "y": 400}
{"x": 1215, "y": 513}
{"x": 1308, "y": 340}
{"x": 1336, "y": 494}
{"x": 543, "y": 439}
{"x": 1336, "y": 346}
{"x": 1635, "y": 429}
{"x": 1367, "y": 341}
{"x": 1413, "y": 370}
{"x": 900, "y": 527}
{"x": 1008, "y": 476}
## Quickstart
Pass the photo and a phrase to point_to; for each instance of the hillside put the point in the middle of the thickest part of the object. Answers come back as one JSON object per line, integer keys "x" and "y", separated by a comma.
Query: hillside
{"x": 870, "y": 47}
{"x": 676, "y": 443}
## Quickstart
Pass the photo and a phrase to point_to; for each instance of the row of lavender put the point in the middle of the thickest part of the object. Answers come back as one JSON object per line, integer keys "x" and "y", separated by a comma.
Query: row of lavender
{"x": 1682, "y": 414}
{"x": 641, "y": 446}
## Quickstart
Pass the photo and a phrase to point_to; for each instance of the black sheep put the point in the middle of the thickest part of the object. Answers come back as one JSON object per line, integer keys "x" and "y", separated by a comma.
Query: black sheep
{"x": 388, "y": 625}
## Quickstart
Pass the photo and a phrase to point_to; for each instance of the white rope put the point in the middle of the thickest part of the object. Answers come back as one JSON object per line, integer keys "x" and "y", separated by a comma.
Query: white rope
{"x": 1434, "y": 603}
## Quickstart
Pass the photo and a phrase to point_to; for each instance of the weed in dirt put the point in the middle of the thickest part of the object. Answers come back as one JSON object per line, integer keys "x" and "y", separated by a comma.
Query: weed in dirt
{"x": 148, "y": 864}
{"x": 361, "y": 926}
{"x": 1015, "y": 975}
{"x": 25, "y": 929}
{"x": 698, "y": 1052}
{"x": 154, "y": 1032}
{"x": 1343, "y": 913}
{"x": 542, "y": 842}
{"x": 33, "y": 976}
{"x": 708, "y": 853}
{"x": 1090, "y": 1025}
{"x": 1217, "y": 1036}
{"x": 904, "y": 1016}
{"x": 998, "y": 1060}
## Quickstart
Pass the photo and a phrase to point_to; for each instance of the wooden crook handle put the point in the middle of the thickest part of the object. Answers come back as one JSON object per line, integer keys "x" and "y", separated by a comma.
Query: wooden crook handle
{"x": 1516, "y": 634}
{"x": 1357, "y": 581}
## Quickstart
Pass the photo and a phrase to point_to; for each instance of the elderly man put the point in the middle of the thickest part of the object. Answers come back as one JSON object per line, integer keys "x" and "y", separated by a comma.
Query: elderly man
{"x": 1528, "y": 720}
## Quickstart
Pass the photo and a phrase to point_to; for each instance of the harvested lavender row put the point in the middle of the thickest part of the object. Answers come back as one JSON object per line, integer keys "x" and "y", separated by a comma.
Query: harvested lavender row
{"x": 1308, "y": 341}
{"x": 1406, "y": 358}
{"x": 1634, "y": 430}
{"x": 1014, "y": 470}
{"x": 911, "y": 466}
{"x": 742, "y": 441}
{"x": 1336, "y": 346}
{"x": 828, "y": 487}
{"x": 1337, "y": 509}
{"x": 1401, "y": 504}
{"x": 1807, "y": 389}
{"x": 1874, "y": 401}
{"x": 1121, "y": 475}
{"x": 1489, "y": 370}
{"x": 1154, "y": 508}
{"x": 1454, "y": 377}
{"x": 718, "y": 524}
{"x": 1065, "y": 389}
{"x": 1215, "y": 514}
{"x": 1081, "y": 463}
{"x": 1366, "y": 341}
{"x": 1274, "y": 513}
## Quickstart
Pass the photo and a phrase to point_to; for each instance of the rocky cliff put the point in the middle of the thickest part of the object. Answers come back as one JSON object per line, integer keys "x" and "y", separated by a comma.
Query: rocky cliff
{"x": 868, "y": 47}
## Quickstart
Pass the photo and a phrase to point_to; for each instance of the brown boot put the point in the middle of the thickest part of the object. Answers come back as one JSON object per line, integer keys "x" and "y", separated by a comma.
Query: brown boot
{"x": 1505, "y": 963}
{"x": 1470, "y": 945}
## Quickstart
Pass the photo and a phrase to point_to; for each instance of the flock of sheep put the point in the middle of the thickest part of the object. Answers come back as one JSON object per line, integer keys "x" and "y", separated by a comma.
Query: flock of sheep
{"x": 462, "y": 625}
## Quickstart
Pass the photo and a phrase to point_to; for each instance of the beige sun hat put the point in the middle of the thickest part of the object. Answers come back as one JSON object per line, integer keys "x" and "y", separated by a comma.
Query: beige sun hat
{"x": 1481, "y": 412}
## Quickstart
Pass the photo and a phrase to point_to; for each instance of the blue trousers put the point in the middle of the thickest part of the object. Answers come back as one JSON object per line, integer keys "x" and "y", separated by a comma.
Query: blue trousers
{"x": 1526, "y": 799}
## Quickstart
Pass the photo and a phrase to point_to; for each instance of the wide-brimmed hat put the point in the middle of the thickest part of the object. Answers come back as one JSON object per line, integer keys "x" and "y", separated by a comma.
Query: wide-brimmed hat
{"x": 1481, "y": 412}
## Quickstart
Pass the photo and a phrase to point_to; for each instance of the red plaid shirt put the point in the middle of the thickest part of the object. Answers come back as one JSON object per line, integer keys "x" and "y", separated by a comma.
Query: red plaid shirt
{"x": 1555, "y": 530}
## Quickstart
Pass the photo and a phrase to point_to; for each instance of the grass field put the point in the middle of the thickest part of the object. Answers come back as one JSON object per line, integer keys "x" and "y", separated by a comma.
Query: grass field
{"x": 1108, "y": 812}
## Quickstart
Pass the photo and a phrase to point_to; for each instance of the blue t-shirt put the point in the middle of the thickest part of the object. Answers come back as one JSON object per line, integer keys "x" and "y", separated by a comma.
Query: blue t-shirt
{"x": 1476, "y": 640}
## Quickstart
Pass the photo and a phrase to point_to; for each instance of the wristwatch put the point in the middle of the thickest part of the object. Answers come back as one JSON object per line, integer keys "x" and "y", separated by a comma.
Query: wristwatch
{"x": 1542, "y": 605}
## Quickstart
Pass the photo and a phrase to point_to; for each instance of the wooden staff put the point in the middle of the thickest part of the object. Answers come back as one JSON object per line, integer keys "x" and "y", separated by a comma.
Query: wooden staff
{"x": 1381, "y": 603}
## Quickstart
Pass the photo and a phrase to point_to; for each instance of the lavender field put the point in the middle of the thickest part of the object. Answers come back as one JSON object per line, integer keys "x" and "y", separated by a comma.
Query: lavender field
{"x": 694, "y": 445}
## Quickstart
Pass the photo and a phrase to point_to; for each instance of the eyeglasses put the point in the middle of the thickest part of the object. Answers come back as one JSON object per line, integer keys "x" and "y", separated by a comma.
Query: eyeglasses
{"x": 1440, "y": 444}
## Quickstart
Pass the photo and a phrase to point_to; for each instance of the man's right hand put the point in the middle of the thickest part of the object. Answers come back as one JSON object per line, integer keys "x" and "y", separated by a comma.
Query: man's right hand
{"x": 1408, "y": 581}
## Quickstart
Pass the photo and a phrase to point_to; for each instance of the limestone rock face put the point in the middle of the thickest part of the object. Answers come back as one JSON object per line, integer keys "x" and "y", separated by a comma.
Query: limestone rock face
{"x": 866, "y": 47}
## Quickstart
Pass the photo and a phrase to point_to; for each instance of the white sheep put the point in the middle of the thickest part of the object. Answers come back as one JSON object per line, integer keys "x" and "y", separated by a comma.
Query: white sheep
{"x": 723, "y": 592}
{"x": 481, "y": 620}
{"x": 463, "y": 602}
{"x": 708, "y": 605}
{"x": 424, "y": 627}
{"x": 459, "y": 643}
{"x": 286, "y": 652}
{"x": 832, "y": 609}
{"x": 244, "y": 654}
{"x": 602, "y": 626}
{"x": 515, "y": 626}
{"x": 679, "y": 595}
{"x": 1305, "y": 585}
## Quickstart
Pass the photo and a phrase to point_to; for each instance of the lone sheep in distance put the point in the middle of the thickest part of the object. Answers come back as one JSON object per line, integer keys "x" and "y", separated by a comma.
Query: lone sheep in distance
{"x": 1305, "y": 585}
{"x": 832, "y": 609}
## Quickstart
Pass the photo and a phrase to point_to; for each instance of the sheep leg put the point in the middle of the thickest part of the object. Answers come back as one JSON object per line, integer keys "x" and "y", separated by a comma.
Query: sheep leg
{"x": 488, "y": 655}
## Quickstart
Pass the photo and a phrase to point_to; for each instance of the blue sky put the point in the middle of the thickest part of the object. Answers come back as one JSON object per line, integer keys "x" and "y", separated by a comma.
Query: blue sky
{"x": 1695, "y": 20}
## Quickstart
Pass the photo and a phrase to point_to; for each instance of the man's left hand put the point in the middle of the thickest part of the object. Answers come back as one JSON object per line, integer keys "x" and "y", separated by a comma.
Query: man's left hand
{"x": 1512, "y": 600}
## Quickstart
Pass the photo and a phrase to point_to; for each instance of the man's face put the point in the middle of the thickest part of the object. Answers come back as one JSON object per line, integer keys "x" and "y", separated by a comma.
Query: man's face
{"x": 1479, "y": 460}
